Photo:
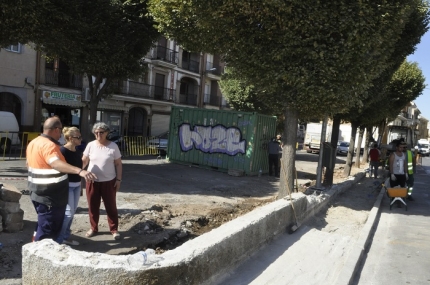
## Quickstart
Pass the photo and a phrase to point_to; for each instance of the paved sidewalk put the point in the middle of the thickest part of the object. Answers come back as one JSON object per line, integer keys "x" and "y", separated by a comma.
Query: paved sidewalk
{"x": 310, "y": 255}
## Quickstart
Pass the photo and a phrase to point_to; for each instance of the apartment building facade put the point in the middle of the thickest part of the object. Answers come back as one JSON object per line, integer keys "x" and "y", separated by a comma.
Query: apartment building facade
{"x": 17, "y": 75}
{"x": 35, "y": 89}
{"x": 410, "y": 116}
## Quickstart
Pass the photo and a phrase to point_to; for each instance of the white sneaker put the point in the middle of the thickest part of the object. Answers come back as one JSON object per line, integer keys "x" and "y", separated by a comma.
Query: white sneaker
{"x": 116, "y": 236}
{"x": 73, "y": 242}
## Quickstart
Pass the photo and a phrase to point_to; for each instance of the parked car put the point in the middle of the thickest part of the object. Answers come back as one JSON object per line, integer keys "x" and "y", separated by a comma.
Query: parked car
{"x": 160, "y": 142}
{"x": 9, "y": 132}
{"x": 342, "y": 148}
{"x": 115, "y": 136}
{"x": 361, "y": 150}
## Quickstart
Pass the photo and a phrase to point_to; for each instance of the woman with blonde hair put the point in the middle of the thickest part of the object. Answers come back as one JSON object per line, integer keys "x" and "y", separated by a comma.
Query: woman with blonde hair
{"x": 73, "y": 138}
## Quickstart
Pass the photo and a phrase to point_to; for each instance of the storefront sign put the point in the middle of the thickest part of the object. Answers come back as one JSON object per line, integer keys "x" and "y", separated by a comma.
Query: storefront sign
{"x": 61, "y": 96}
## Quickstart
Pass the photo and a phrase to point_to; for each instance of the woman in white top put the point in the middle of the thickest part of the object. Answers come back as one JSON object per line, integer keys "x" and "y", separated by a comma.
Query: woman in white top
{"x": 398, "y": 166}
{"x": 103, "y": 159}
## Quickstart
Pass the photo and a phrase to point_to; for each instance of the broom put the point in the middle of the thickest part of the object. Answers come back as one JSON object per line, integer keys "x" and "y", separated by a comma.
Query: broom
{"x": 291, "y": 229}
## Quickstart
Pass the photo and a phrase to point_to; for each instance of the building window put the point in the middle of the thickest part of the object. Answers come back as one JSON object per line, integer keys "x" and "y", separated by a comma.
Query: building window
{"x": 14, "y": 48}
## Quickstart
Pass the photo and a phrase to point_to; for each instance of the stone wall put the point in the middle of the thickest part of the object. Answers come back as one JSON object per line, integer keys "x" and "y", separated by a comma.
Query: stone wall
{"x": 11, "y": 215}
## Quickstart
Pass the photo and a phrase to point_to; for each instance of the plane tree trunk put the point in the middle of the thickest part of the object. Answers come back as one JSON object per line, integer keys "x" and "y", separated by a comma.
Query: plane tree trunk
{"x": 289, "y": 138}
{"x": 350, "y": 155}
{"x": 328, "y": 176}
{"x": 360, "y": 141}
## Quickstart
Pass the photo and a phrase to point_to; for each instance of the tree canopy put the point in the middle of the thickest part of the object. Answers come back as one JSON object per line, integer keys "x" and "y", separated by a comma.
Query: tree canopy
{"x": 319, "y": 56}
{"x": 17, "y": 21}
{"x": 104, "y": 39}
{"x": 326, "y": 52}
{"x": 245, "y": 96}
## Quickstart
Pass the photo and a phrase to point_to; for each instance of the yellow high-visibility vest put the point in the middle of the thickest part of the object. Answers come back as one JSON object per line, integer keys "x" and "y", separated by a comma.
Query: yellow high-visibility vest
{"x": 410, "y": 164}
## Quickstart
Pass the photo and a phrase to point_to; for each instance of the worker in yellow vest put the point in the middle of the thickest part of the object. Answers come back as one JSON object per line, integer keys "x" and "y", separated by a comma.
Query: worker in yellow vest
{"x": 411, "y": 170}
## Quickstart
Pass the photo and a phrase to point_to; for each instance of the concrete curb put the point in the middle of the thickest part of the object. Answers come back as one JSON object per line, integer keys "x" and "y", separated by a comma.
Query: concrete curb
{"x": 199, "y": 261}
{"x": 361, "y": 246}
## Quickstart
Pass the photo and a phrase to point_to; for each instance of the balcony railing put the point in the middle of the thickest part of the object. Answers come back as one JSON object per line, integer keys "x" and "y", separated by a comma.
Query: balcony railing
{"x": 164, "y": 54}
{"x": 62, "y": 78}
{"x": 191, "y": 65}
{"x": 224, "y": 104}
{"x": 142, "y": 90}
{"x": 188, "y": 99}
{"x": 212, "y": 100}
{"x": 214, "y": 68}
{"x": 405, "y": 115}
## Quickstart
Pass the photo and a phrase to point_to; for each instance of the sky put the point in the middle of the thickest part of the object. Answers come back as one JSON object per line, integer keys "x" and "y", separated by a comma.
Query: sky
{"x": 422, "y": 57}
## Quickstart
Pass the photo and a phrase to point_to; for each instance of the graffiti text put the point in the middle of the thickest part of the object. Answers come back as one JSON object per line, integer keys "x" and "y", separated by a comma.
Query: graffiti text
{"x": 212, "y": 139}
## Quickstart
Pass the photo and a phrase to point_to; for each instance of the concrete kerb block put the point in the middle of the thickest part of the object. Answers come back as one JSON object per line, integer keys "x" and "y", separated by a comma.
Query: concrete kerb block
{"x": 17, "y": 217}
{"x": 195, "y": 262}
{"x": 13, "y": 227}
{"x": 9, "y": 193}
{"x": 9, "y": 207}
{"x": 47, "y": 262}
{"x": 198, "y": 261}
{"x": 10, "y": 210}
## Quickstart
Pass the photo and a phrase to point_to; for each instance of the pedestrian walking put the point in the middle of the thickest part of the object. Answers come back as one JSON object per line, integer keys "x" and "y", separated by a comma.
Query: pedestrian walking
{"x": 103, "y": 158}
{"x": 48, "y": 180}
{"x": 274, "y": 149}
{"x": 374, "y": 154}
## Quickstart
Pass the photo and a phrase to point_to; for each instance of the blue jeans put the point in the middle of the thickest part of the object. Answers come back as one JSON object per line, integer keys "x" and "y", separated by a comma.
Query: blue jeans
{"x": 374, "y": 165}
{"x": 72, "y": 205}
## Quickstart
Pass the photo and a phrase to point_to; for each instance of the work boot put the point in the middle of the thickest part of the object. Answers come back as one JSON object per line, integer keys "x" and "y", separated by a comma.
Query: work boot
{"x": 410, "y": 198}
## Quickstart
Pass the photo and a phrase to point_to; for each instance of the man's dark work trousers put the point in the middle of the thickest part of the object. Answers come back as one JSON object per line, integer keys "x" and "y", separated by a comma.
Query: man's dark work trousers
{"x": 274, "y": 162}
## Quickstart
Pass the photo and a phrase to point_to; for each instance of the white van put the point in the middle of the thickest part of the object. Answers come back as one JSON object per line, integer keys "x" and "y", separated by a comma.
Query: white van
{"x": 423, "y": 147}
{"x": 9, "y": 131}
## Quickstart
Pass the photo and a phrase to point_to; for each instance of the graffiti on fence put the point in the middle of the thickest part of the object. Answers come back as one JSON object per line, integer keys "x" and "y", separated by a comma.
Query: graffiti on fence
{"x": 213, "y": 160}
{"x": 264, "y": 140}
{"x": 240, "y": 160}
{"x": 212, "y": 139}
{"x": 244, "y": 123}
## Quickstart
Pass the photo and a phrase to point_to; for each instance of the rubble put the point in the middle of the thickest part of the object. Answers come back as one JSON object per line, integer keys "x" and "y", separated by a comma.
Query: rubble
{"x": 10, "y": 211}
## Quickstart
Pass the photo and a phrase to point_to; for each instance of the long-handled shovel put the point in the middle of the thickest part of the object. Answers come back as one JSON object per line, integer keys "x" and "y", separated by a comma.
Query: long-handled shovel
{"x": 293, "y": 228}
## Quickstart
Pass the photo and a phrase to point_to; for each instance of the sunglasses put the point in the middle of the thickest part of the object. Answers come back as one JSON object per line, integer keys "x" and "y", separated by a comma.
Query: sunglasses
{"x": 99, "y": 133}
{"x": 78, "y": 138}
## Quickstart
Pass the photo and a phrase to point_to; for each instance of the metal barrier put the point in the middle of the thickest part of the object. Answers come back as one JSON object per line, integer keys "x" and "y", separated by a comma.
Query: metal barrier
{"x": 129, "y": 146}
{"x": 14, "y": 144}
{"x": 26, "y": 138}
{"x": 138, "y": 145}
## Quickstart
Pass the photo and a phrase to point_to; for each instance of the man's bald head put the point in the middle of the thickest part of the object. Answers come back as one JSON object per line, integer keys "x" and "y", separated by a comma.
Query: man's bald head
{"x": 52, "y": 127}
{"x": 52, "y": 123}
